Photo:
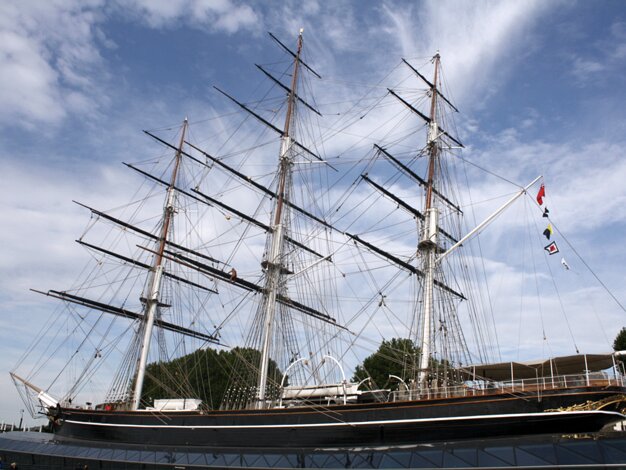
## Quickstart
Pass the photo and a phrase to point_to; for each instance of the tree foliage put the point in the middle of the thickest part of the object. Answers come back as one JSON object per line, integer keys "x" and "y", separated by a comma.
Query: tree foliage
{"x": 397, "y": 356}
{"x": 206, "y": 374}
{"x": 400, "y": 357}
{"x": 619, "y": 344}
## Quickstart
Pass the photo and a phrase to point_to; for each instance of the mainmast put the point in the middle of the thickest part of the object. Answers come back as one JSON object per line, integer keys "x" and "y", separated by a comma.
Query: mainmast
{"x": 427, "y": 246}
{"x": 275, "y": 255}
{"x": 154, "y": 284}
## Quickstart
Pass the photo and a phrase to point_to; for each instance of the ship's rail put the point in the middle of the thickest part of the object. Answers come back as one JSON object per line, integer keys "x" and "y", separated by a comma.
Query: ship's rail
{"x": 484, "y": 387}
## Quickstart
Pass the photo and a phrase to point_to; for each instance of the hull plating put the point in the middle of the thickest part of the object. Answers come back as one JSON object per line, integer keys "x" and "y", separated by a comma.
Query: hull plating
{"x": 359, "y": 424}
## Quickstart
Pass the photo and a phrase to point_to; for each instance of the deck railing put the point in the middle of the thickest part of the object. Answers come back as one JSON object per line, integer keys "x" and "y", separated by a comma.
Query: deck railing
{"x": 485, "y": 387}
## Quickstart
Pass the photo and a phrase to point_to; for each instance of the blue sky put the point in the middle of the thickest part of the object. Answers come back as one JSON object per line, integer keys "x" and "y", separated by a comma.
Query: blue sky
{"x": 540, "y": 86}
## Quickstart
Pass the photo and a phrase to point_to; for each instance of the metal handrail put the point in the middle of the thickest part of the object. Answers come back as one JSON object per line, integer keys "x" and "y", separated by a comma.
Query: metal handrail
{"x": 485, "y": 387}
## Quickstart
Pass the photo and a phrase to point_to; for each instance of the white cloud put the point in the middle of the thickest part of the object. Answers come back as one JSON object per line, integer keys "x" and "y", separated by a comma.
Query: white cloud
{"x": 44, "y": 222}
{"x": 28, "y": 85}
{"x": 577, "y": 176}
{"x": 479, "y": 41}
{"x": 211, "y": 15}
{"x": 607, "y": 57}
{"x": 617, "y": 42}
{"x": 584, "y": 68}
{"x": 472, "y": 37}
{"x": 48, "y": 61}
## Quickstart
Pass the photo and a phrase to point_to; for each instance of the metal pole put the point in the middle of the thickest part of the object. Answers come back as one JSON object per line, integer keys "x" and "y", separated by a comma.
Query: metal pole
{"x": 488, "y": 220}
{"x": 152, "y": 297}
{"x": 274, "y": 271}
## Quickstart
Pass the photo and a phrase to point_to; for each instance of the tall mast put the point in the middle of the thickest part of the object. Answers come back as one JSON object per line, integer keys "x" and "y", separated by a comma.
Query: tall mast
{"x": 154, "y": 285}
{"x": 428, "y": 239}
{"x": 274, "y": 259}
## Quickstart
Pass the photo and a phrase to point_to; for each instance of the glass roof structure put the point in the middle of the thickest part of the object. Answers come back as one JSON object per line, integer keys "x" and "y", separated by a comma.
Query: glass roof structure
{"x": 43, "y": 451}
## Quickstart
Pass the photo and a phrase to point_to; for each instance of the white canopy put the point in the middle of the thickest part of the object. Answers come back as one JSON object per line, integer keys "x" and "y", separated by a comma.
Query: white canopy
{"x": 564, "y": 365}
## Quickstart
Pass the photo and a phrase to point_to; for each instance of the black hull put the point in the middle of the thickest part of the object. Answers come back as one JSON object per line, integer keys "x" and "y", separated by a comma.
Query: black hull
{"x": 346, "y": 425}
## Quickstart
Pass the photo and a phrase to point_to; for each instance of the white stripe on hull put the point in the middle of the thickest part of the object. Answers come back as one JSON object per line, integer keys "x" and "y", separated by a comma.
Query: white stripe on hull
{"x": 617, "y": 416}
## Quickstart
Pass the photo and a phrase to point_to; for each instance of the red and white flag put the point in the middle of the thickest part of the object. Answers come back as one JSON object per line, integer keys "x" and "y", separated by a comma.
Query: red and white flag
{"x": 551, "y": 248}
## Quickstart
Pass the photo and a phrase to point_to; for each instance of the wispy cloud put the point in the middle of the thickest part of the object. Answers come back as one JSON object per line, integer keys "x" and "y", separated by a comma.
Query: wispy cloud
{"x": 480, "y": 41}
{"x": 577, "y": 183}
{"x": 51, "y": 67}
{"x": 49, "y": 61}
{"x": 606, "y": 55}
{"x": 215, "y": 16}
{"x": 618, "y": 36}
{"x": 584, "y": 68}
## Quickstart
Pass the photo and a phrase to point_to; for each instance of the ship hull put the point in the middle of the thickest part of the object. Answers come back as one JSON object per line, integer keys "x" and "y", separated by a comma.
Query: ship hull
{"x": 346, "y": 425}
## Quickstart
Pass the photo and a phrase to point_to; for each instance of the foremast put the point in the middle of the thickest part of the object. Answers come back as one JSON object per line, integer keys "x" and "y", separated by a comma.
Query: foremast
{"x": 273, "y": 263}
{"x": 153, "y": 287}
{"x": 427, "y": 246}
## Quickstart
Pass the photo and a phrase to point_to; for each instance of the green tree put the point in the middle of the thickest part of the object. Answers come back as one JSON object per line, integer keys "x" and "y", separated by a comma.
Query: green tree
{"x": 619, "y": 344}
{"x": 206, "y": 374}
{"x": 398, "y": 356}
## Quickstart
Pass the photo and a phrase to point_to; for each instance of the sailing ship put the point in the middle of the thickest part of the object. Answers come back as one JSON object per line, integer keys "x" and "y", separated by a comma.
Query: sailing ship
{"x": 283, "y": 273}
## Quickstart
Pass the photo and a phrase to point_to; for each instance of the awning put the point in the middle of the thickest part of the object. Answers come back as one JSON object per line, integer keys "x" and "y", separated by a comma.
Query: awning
{"x": 564, "y": 365}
